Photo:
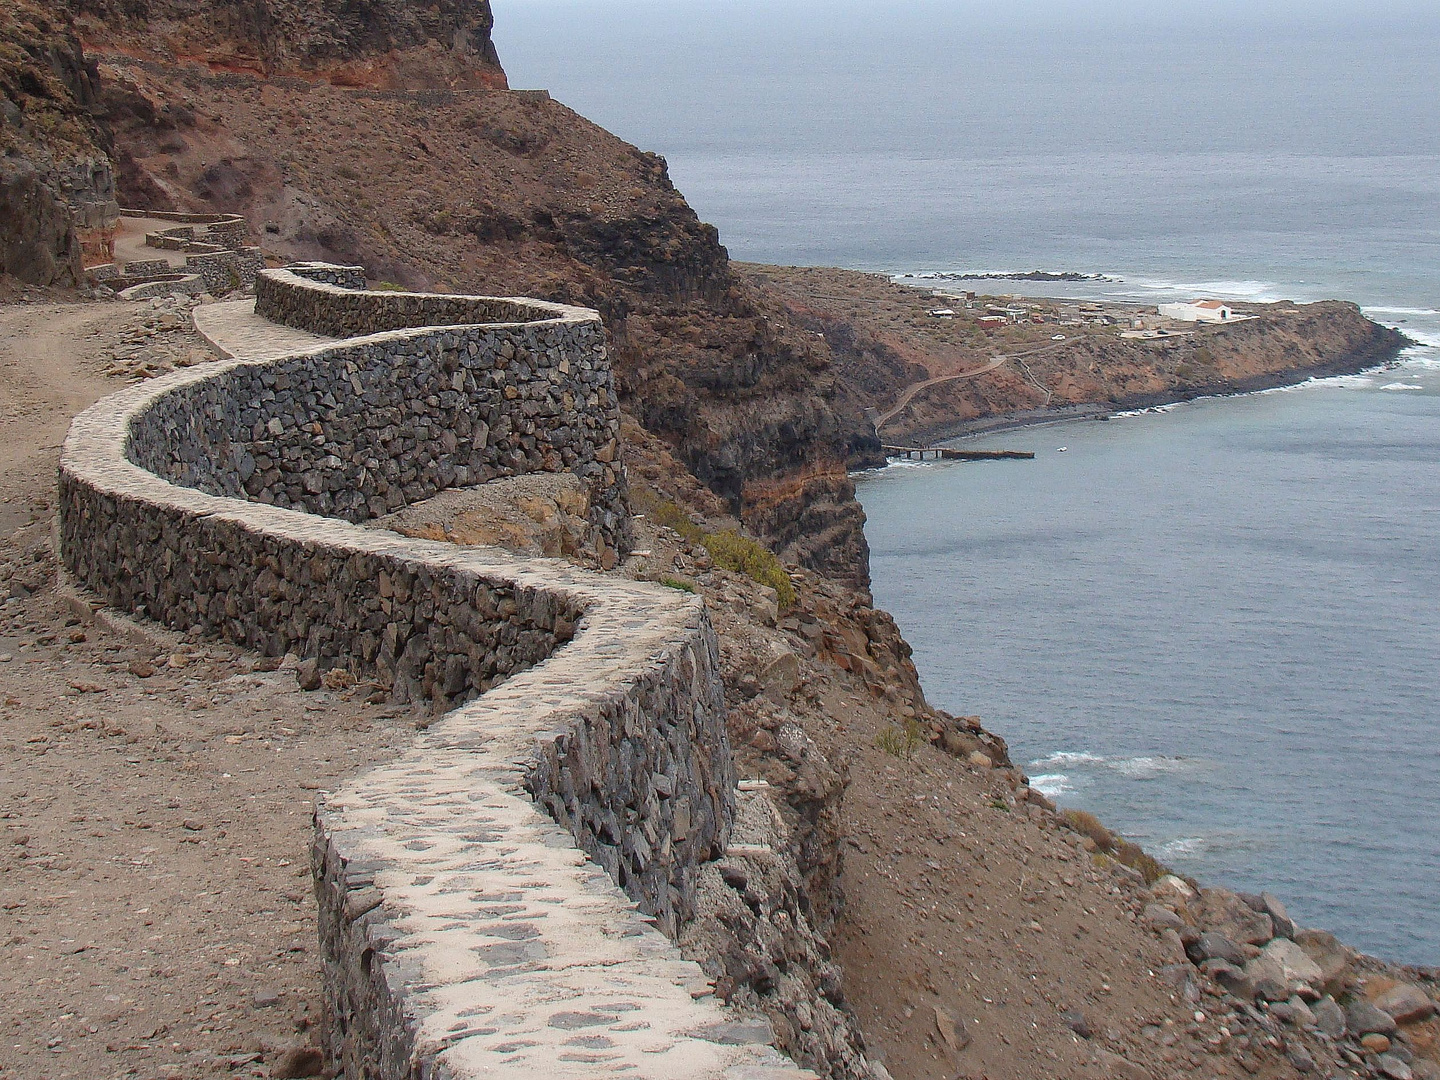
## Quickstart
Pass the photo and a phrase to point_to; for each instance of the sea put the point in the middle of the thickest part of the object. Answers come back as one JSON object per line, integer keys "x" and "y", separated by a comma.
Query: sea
{"x": 1216, "y": 624}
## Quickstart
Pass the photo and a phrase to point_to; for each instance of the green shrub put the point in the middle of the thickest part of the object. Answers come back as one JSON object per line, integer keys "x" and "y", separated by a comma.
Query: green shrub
{"x": 1087, "y": 824}
{"x": 676, "y": 583}
{"x": 742, "y": 555}
{"x": 387, "y": 286}
{"x": 671, "y": 516}
{"x": 900, "y": 740}
{"x": 731, "y": 551}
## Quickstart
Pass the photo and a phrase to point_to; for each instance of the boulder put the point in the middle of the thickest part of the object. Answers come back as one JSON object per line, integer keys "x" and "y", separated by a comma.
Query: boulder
{"x": 1181, "y": 979}
{"x": 1231, "y": 979}
{"x": 1279, "y": 917}
{"x": 1212, "y": 946}
{"x": 1222, "y": 912}
{"x": 1269, "y": 979}
{"x": 1329, "y": 1017}
{"x": 1294, "y": 963}
{"x": 782, "y": 674}
{"x": 1332, "y": 957}
{"x": 1294, "y": 1012}
{"x": 1158, "y": 917}
{"x": 1172, "y": 890}
{"x": 1393, "y": 1067}
{"x": 1407, "y": 1004}
{"x": 1363, "y": 1018}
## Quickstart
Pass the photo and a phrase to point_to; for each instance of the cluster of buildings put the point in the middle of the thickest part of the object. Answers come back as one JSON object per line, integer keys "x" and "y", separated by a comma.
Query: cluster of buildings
{"x": 1128, "y": 317}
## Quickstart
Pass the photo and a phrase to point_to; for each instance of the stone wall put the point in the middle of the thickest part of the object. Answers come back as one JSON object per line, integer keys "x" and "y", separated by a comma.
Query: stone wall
{"x": 329, "y": 309}
{"x": 464, "y": 930}
{"x": 360, "y": 429}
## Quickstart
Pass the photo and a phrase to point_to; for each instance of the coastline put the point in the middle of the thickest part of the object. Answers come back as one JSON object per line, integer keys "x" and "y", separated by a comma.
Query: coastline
{"x": 1078, "y": 412}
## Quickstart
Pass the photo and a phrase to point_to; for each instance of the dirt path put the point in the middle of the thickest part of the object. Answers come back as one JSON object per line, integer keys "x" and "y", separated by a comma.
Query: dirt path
{"x": 908, "y": 394}
{"x": 155, "y": 798}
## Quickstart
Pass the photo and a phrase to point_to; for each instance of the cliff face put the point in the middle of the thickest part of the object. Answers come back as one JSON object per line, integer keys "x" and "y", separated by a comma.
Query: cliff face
{"x": 56, "y": 193}
{"x": 366, "y": 43}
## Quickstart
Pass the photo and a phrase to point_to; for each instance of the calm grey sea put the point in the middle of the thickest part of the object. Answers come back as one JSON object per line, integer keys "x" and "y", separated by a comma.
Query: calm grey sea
{"x": 1216, "y": 625}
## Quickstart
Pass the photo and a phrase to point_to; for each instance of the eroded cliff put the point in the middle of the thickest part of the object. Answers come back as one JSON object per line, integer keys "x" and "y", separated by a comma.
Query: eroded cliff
{"x": 56, "y": 192}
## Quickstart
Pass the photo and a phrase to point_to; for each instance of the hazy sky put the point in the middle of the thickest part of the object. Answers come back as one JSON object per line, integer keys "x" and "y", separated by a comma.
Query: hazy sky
{"x": 680, "y": 75}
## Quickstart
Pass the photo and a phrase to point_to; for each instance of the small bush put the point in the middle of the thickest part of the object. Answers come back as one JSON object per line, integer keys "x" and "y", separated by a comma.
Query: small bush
{"x": 1087, "y": 824}
{"x": 1121, "y": 850}
{"x": 731, "y": 551}
{"x": 676, "y": 583}
{"x": 742, "y": 555}
{"x": 387, "y": 286}
{"x": 1135, "y": 857}
{"x": 900, "y": 740}
{"x": 671, "y": 516}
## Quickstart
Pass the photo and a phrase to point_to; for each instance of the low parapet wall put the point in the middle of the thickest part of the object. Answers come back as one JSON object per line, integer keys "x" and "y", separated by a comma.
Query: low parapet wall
{"x": 311, "y": 301}
{"x": 464, "y": 931}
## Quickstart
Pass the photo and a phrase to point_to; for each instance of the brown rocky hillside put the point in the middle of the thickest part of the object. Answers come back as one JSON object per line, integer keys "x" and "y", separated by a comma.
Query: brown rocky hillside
{"x": 55, "y": 187}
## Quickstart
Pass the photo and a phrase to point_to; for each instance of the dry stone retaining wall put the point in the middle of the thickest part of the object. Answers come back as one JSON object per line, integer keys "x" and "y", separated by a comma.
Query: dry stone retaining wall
{"x": 359, "y": 429}
{"x": 465, "y": 933}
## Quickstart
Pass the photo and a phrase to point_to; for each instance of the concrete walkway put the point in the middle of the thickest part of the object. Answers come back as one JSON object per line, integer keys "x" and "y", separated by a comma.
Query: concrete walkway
{"x": 233, "y": 329}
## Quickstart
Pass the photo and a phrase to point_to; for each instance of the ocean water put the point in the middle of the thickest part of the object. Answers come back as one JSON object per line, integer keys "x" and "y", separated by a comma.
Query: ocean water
{"x": 1217, "y": 624}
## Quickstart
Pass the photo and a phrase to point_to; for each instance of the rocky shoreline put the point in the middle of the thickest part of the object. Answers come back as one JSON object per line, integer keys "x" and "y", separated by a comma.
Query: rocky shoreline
{"x": 1383, "y": 355}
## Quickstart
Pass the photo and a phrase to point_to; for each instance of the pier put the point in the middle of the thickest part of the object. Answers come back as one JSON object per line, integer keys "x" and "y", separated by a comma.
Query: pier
{"x": 948, "y": 453}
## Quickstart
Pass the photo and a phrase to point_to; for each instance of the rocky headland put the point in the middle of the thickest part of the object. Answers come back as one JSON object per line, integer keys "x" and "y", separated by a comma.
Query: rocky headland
{"x": 898, "y": 898}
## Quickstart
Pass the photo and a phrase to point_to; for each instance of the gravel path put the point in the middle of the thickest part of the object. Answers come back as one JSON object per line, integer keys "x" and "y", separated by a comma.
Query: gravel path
{"x": 155, "y": 794}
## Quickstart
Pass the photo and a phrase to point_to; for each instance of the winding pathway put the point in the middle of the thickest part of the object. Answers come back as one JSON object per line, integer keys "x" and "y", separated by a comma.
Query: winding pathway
{"x": 908, "y": 394}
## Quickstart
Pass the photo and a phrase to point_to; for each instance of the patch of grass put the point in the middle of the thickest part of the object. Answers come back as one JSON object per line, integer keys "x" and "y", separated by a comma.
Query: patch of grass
{"x": 671, "y": 516}
{"x": 1137, "y": 858}
{"x": 900, "y": 740}
{"x": 676, "y": 583}
{"x": 387, "y": 286}
{"x": 1116, "y": 847}
{"x": 742, "y": 555}
{"x": 1087, "y": 824}
{"x": 731, "y": 551}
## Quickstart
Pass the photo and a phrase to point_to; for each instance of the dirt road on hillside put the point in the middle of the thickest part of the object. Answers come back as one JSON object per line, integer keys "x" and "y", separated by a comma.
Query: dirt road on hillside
{"x": 155, "y": 795}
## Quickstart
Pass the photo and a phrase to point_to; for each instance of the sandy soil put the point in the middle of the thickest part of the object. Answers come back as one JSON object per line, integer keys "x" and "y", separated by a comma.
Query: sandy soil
{"x": 155, "y": 795}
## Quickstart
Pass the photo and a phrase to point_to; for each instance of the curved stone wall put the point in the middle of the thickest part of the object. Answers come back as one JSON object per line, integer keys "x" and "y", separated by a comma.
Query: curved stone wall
{"x": 312, "y": 297}
{"x": 359, "y": 429}
{"x": 464, "y": 931}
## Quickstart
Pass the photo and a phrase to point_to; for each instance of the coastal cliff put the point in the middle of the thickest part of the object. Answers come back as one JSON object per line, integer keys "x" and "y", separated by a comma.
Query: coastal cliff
{"x": 903, "y": 847}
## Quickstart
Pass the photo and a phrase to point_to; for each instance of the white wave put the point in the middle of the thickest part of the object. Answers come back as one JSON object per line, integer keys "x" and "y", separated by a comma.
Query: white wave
{"x": 1258, "y": 292}
{"x": 1334, "y": 382}
{"x": 1148, "y": 410}
{"x": 1182, "y": 845}
{"x": 1051, "y": 784}
{"x": 1422, "y": 339}
{"x": 1140, "y": 768}
{"x": 1066, "y": 757}
{"x": 1399, "y": 311}
{"x": 1402, "y": 386}
{"x": 910, "y": 463}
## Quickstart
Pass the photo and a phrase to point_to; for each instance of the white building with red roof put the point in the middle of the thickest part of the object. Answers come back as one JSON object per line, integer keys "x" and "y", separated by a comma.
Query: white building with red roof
{"x": 1213, "y": 311}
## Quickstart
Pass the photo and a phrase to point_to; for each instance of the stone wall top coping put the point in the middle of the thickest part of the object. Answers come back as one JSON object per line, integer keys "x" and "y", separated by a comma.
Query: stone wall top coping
{"x": 545, "y": 310}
